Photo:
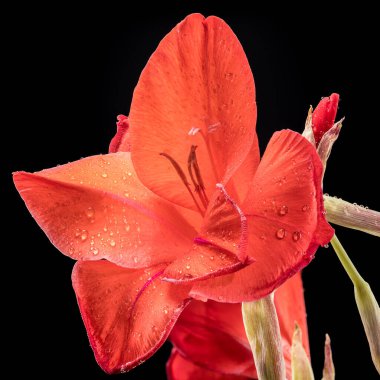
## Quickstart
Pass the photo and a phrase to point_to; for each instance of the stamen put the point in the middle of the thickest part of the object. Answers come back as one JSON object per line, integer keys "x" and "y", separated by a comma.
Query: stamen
{"x": 183, "y": 179}
{"x": 192, "y": 164}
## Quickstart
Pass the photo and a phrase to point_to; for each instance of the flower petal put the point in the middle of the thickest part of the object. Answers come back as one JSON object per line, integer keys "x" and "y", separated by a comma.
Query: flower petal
{"x": 239, "y": 184}
{"x": 128, "y": 313}
{"x": 179, "y": 368}
{"x": 285, "y": 217}
{"x": 220, "y": 247}
{"x": 197, "y": 89}
{"x": 97, "y": 208}
{"x": 211, "y": 334}
{"x": 121, "y": 141}
{"x": 290, "y": 305}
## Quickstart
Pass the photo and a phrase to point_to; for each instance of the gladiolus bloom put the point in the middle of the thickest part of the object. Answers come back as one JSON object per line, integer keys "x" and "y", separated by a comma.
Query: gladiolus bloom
{"x": 189, "y": 212}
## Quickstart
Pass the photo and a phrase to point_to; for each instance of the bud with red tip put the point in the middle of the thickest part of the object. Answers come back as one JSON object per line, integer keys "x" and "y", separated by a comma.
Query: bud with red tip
{"x": 324, "y": 116}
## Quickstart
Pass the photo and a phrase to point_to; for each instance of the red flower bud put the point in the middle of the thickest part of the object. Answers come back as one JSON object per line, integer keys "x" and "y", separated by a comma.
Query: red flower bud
{"x": 324, "y": 116}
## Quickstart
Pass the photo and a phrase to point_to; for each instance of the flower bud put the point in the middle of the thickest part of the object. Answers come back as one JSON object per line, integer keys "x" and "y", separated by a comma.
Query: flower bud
{"x": 328, "y": 368}
{"x": 301, "y": 368}
{"x": 324, "y": 116}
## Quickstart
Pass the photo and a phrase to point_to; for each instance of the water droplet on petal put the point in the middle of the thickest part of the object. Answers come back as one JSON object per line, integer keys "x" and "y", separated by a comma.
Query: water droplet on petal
{"x": 104, "y": 175}
{"x": 90, "y": 212}
{"x": 283, "y": 210}
{"x": 305, "y": 208}
{"x": 296, "y": 235}
{"x": 280, "y": 233}
{"x": 211, "y": 257}
{"x": 135, "y": 259}
{"x": 112, "y": 243}
{"x": 81, "y": 234}
{"x": 165, "y": 310}
{"x": 187, "y": 266}
{"x": 95, "y": 251}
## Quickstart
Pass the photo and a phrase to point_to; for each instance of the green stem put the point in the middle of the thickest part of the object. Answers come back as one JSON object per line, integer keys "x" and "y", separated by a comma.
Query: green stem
{"x": 365, "y": 301}
{"x": 346, "y": 262}
{"x": 263, "y": 333}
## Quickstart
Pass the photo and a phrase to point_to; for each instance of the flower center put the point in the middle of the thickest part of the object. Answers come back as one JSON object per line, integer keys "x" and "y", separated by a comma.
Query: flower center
{"x": 196, "y": 188}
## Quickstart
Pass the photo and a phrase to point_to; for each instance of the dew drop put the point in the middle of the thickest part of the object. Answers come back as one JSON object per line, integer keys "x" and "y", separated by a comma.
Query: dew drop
{"x": 104, "y": 175}
{"x": 166, "y": 310}
{"x": 95, "y": 251}
{"x": 81, "y": 234}
{"x": 112, "y": 243}
{"x": 129, "y": 174}
{"x": 305, "y": 208}
{"x": 229, "y": 76}
{"x": 90, "y": 212}
{"x": 127, "y": 227}
{"x": 187, "y": 266}
{"x": 135, "y": 259}
{"x": 280, "y": 234}
{"x": 283, "y": 210}
{"x": 211, "y": 257}
{"x": 296, "y": 235}
{"x": 126, "y": 194}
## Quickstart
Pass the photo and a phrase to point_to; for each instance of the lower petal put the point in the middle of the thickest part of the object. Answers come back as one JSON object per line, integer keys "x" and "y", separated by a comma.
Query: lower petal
{"x": 212, "y": 335}
{"x": 179, "y": 368}
{"x": 128, "y": 313}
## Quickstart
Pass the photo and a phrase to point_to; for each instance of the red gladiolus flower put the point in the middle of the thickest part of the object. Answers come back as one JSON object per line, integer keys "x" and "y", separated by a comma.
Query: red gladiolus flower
{"x": 189, "y": 212}
{"x": 324, "y": 116}
{"x": 209, "y": 338}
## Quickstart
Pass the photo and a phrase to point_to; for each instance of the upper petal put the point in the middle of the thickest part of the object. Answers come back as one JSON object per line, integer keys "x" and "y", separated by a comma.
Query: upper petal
{"x": 286, "y": 222}
{"x": 181, "y": 368}
{"x": 128, "y": 313}
{"x": 197, "y": 89}
{"x": 97, "y": 208}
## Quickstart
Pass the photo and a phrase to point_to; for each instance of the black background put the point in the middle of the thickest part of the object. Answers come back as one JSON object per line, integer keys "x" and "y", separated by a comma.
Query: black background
{"x": 69, "y": 72}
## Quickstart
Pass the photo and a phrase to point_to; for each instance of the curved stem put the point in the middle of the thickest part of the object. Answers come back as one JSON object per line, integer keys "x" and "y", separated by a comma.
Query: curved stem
{"x": 346, "y": 261}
